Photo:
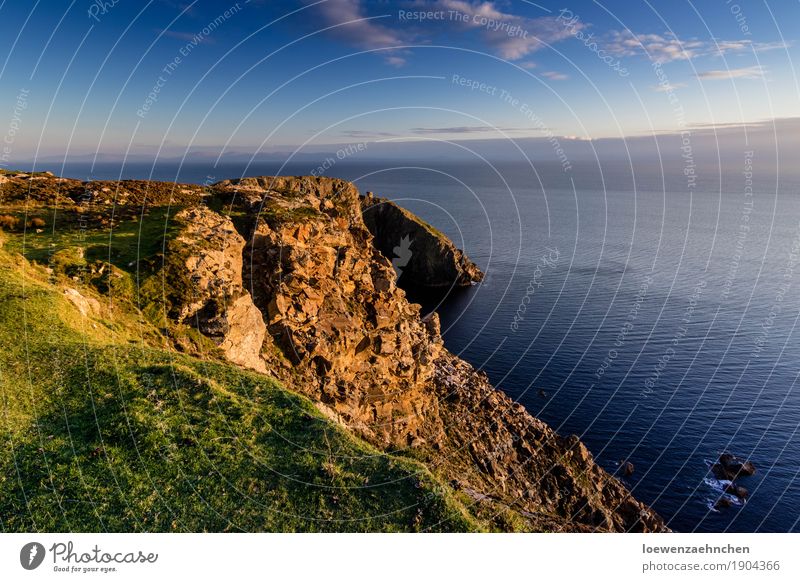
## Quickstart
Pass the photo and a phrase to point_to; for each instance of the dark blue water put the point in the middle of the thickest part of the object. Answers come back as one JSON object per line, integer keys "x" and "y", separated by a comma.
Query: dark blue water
{"x": 658, "y": 317}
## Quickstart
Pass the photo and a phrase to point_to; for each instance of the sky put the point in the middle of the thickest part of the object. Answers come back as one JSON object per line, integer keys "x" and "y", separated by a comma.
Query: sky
{"x": 168, "y": 78}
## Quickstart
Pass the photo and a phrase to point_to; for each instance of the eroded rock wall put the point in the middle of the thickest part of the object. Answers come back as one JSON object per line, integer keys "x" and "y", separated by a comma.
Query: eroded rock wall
{"x": 210, "y": 250}
{"x": 421, "y": 255}
{"x": 342, "y": 332}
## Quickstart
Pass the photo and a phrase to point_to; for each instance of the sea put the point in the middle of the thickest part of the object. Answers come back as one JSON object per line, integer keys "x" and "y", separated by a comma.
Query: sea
{"x": 648, "y": 307}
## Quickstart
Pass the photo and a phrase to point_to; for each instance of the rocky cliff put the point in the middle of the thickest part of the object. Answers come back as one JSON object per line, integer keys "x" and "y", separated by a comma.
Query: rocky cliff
{"x": 421, "y": 255}
{"x": 337, "y": 320}
{"x": 207, "y": 258}
{"x": 293, "y": 277}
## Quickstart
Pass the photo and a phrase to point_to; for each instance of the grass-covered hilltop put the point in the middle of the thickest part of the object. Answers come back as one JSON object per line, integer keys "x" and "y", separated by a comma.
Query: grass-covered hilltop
{"x": 240, "y": 357}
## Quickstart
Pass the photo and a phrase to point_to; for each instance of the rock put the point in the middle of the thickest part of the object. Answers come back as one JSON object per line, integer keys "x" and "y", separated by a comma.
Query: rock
{"x": 421, "y": 255}
{"x": 433, "y": 325}
{"x": 730, "y": 467}
{"x": 86, "y": 305}
{"x": 737, "y": 490}
{"x": 210, "y": 250}
{"x": 542, "y": 394}
{"x": 627, "y": 468}
{"x": 334, "y": 310}
{"x": 245, "y": 334}
{"x": 723, "y": 503}
{"x": 341, "y": 332}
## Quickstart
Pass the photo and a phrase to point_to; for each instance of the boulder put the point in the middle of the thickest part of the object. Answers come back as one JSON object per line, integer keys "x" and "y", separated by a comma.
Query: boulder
{"x": 729, "y": 467}
{"x": 208, "y": 253}
{"x": 86, "y": 305}
{"x": 723, "y": 503}
{"x": 737, "y": 490}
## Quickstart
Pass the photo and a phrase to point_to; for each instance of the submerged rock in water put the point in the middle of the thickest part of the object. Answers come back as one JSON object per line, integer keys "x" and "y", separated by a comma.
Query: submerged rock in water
{"x": 737, "y": 490}
{"x": 723, "y": 503}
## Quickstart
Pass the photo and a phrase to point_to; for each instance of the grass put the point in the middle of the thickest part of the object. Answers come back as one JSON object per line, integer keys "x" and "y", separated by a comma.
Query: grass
{"x": 102, "y": 431}
{"x": 275, "y": 215}
{"x": 123, "y": 245}
{"x": 430, "y": 228}
{"x": 134, "y": 269}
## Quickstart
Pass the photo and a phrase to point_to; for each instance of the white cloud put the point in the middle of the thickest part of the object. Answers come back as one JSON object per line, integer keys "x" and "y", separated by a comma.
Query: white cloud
{"x": 395, "y": 60}
{"x": 668, "y": 47}
{"x": 756, "y": 72}
{"x": 484, "y": 9}
{"x": 662, "y": 48}
{"x": 721, "y": 47}
{"x": 506, "y": 35}
{"x": 354, "y": 27}
{"x": 509, "y": 36}
{"x": 667, "y": 88}
{"x": 555, "y": 76}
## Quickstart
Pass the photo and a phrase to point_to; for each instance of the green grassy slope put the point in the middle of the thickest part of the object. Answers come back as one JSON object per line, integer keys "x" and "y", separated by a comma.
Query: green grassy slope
{"x": 102, "y": 431}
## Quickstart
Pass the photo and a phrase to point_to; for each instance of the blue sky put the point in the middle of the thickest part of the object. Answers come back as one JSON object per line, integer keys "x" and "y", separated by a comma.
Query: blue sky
{"x": 163, "y": 76}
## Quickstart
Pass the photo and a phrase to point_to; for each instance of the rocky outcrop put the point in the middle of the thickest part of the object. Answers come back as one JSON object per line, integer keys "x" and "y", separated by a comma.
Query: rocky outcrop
{"x": 343, "y": 332}
{"x": 333, "y": 309}
{"x": 86, "y": 305}
{"x": 126, "y": 196}
{"x": 214, "y": 300}
{"x": 731, "y": 467}
{"x": 421, "y": 255}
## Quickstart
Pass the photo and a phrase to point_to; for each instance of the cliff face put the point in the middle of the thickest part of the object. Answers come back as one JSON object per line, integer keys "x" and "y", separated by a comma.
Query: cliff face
{"x": 207, "y": 255}
{"x": 421, "y": 256}
{"x": 334, "y": 314}
{"x": 496, "y": 449}
{"x": 297, "y": 278}
{"x": 337, "y": 320}
{"x": 294, "y": 277}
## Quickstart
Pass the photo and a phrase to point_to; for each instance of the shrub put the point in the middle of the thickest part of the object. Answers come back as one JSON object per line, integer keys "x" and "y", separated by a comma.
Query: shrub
{"x": 68, "y": 262}
{"x": 36, "y": 223}
{"x": 8, "y": 222}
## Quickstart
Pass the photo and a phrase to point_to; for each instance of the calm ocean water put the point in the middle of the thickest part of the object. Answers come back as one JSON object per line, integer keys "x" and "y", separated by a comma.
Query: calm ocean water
{"x": 654, "y": 319}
